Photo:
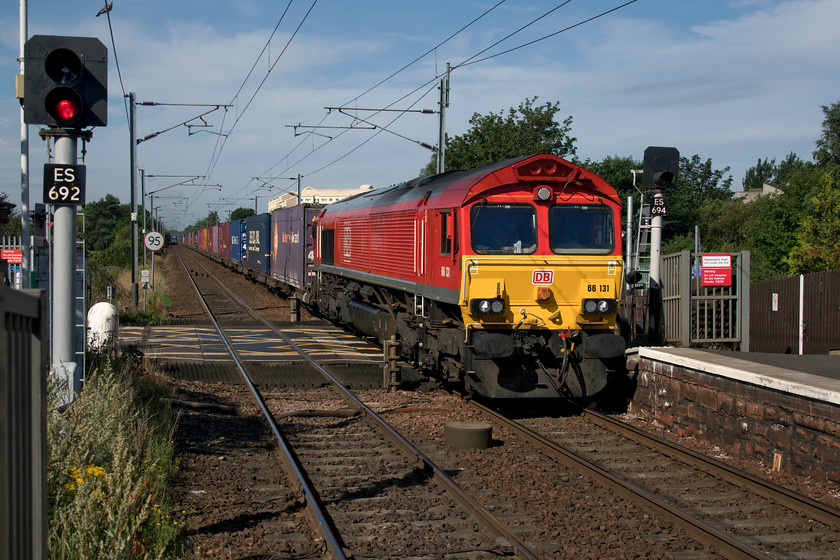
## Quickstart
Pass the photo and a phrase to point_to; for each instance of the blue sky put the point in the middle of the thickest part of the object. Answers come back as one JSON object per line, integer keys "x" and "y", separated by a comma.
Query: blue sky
{"x": 733, "y": 81}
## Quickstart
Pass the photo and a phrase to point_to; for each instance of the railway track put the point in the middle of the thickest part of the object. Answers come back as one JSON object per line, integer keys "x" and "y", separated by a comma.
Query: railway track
{"x": 379, "y": 480}
{"x": 649, "y": 495}
{"x": 742, "y": 516}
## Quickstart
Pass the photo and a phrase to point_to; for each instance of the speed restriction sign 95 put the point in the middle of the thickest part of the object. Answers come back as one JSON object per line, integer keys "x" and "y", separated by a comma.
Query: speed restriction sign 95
{"x": 153, "y": 241}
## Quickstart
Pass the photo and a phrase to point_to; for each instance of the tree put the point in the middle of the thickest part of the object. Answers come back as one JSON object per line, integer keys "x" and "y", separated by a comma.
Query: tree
{"x": 617, "y": 171}
{"x": 698, "y": 182}
{"x": 818, "y": 239}
{"x": 102, "y": 220}
{"x": 212, "y": 219}
{"x": 828, "y": 147}
{"x": 241, "y": 213}
{"x": 495, "y": 137}
{"x": 762, "y": 172}
{"x": 6, "y": 209}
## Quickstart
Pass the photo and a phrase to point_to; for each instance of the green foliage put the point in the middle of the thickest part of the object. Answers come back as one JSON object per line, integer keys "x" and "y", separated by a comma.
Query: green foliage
{"x": 105, "y": 219}
{"x": 617, "y": 171}
{"x": 110, "y": 459}
{"x": 153, "y": 309}
{"x": 698, "y": 182}
{"x": 495, "y": 137}
{"x": 6, "y": 209}
{"x": 118, "y": 252}
{"x": 241, "y": 213}
{"x": 818, "y": 238}
{"x": 763, "y": 172}
{"x": 212, "y": 219}
{"x": 13, "y": 227}
{"x": 828, "y": 147}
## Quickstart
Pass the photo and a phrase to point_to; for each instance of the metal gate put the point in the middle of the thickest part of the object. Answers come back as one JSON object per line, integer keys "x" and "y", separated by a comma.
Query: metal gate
{"x": 694, "y": 314}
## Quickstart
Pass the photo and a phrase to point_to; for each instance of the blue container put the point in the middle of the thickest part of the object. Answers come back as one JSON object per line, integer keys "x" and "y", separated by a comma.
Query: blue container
{"x": 238, "y": 241}
{"x": 259, "y": 243}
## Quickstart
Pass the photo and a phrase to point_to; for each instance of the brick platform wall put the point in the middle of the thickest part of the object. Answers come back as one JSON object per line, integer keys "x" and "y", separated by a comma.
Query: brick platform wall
{"x": 791, "y": 433}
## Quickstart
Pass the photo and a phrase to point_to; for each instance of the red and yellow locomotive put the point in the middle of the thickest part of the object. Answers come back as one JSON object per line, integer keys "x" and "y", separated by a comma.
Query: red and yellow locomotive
{"x": 504, "y": 277}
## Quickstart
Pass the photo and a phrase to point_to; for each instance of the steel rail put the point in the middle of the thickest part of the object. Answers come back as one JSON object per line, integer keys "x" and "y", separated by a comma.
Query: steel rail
{"x": 487, "y": 519}
{"x": 318, "y": 515}
{"x": 703, "y": 533}
{"x": 814, "y": 509}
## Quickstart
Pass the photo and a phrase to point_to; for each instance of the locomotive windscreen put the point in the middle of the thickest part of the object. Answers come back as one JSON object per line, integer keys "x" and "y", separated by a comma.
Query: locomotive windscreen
{"x": 503, "y": 228}
{"x": 581, "y": 229}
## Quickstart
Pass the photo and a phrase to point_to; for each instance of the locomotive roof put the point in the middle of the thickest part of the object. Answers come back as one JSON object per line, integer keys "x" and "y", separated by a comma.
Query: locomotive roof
{"x": 456, "y": 186}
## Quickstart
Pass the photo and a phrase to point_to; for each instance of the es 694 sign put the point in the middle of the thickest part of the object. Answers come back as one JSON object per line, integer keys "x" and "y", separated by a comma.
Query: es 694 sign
{"x": 64, "y": 184}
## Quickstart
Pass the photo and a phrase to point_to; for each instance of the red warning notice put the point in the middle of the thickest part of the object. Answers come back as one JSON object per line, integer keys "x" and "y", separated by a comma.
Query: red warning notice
{"x": 11, "y": 256}
{"x": 716, "y": 270}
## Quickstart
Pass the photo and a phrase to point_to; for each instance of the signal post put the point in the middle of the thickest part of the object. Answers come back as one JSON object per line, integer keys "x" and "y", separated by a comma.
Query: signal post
{"x": 661, "y": 167}
{"x": 65, "y": 88}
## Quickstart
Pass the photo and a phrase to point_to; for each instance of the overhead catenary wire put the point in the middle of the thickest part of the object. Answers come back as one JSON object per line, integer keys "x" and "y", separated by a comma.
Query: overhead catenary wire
{"x": 468, "y": 61}
{"x": 473, "y": 59}
{"x": 217, "y": 155}
{"x": 392, "y": 75}
{"x": 107, "y": 11}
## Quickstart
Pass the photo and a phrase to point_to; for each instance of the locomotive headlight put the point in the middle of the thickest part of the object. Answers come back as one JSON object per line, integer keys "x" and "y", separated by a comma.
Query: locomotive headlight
{"x": 603, "y": 306}
{"x": 489, "y": 306}
{"x": 542, "y": 193}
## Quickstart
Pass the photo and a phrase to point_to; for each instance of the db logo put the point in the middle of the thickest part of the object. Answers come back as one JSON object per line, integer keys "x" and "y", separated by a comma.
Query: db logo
{"x": 541, "y": 277}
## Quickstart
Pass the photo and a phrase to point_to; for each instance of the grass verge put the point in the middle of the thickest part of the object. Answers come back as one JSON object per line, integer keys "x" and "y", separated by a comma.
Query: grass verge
{"x": 111, "y": 457}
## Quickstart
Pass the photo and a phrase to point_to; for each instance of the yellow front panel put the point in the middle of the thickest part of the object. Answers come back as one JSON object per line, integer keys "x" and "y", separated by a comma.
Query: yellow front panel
{"x": 540, "y": 292}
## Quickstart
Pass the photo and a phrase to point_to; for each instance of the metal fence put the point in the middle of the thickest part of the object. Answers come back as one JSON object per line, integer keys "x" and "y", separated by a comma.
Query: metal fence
{"x": 797, "y": 315}
{"x": 693, "y": 314}
{"x": 23, "y": 437}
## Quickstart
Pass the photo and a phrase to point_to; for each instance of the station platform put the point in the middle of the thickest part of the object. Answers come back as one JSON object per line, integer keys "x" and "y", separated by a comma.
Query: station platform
{"x": 782, "y": 409}
{"x": 810, "y": 376}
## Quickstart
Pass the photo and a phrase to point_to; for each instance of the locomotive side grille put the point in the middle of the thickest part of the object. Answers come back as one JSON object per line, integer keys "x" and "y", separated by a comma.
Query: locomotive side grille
{"x": 353, "y": 247}
{"x": 394, "y": 231}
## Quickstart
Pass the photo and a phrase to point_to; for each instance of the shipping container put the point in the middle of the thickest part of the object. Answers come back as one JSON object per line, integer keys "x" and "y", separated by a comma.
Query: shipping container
{"x": 292, "y": 260}
{"x": 204, "y": 240}
{"x": 259, "y": 243}
{"x": 238, "y": 241}
{"x": 224, "y": 241}
{"x": 214, "y": 240}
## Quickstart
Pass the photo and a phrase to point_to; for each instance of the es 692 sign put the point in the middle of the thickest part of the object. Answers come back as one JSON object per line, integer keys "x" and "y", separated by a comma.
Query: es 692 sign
{"x": 64, "y": 184}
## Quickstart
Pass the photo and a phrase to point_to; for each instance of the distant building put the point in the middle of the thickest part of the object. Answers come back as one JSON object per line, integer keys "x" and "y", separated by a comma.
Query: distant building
{"x": 753, "y": 194}
{"x": 314, "y": 196}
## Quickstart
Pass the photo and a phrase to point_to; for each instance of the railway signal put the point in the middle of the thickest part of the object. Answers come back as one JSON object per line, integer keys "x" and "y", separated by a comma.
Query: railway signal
{"x": 65, "y": 87}
{"x": 661, "y": 167}
{"x": 65, "y": 82}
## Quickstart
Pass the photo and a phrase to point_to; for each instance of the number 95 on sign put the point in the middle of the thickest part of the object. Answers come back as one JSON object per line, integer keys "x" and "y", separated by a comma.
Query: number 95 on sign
{"x": 153, "y": 241}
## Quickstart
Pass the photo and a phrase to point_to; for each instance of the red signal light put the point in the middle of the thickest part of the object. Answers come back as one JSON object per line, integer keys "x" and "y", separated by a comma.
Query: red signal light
{"x": 64, "y": 105}
{"x": 66, "y": 110}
